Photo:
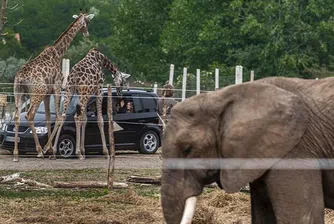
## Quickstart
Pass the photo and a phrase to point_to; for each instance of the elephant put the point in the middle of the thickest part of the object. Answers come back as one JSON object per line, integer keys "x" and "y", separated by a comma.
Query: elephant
{"x": 274, "y": 119}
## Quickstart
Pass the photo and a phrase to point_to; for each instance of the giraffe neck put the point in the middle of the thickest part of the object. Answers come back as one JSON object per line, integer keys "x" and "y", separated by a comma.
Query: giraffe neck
{"x": 108, "y": 64}
{"x": 64, "y": 40}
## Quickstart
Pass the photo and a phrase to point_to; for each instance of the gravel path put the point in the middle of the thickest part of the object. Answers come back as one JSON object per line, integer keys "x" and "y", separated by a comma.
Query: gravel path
{"x": 124, "y": 160}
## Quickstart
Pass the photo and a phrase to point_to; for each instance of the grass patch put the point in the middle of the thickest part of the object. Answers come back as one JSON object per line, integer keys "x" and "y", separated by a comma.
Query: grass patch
{"x": 139, "y": 204}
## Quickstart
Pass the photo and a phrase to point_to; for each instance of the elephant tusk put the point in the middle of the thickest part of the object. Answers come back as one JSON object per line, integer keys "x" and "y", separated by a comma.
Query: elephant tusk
{"x": 189, "y": 210}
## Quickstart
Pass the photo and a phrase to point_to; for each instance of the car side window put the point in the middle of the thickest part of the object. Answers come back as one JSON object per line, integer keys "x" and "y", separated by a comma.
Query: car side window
{"x": 137, "y": 104}
{"x": 149, "y": 103}
{"x": 127, "y": 104}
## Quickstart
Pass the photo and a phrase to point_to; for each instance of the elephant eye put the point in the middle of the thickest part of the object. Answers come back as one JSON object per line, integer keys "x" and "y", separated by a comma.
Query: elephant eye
{"x": 187, "y": 151}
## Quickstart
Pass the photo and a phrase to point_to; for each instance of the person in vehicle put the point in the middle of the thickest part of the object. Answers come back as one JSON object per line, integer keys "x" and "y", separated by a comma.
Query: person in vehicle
{"x": 129, "y": 107}
{"x": 121, "y": 106}
{"x": 91, "y": 110}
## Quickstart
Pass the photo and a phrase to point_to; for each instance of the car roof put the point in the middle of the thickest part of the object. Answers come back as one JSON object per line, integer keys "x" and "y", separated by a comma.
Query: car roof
{"x": 129, "y": 90}
{"x": 132, "y": 90}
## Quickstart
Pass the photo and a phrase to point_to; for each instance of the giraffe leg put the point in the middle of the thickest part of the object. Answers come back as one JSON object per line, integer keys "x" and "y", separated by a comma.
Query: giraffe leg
{"x": 83, "y": 133}
{"x": 35, "y": 102}
{"x": 18, "y": 104}
{"x": 78, "y": 123}
{"x": 100, "y": 122}
{"x": 47, "y": 114}
{"x": 79, "y": 120}
{"x": 57, "y": 96}
{"x": 58, "y": 126}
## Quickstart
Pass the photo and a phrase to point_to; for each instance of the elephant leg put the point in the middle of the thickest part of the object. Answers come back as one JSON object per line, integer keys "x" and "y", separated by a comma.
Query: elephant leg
{"x": 261, "y": 207}
{"x": 296, "y": 196}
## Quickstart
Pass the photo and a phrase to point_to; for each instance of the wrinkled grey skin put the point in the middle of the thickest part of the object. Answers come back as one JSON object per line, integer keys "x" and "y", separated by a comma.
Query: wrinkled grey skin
{"x": 268, "y": 118}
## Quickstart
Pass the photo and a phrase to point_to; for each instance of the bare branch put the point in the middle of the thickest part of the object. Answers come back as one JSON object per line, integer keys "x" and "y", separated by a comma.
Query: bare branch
{"x": 14, "y": 7}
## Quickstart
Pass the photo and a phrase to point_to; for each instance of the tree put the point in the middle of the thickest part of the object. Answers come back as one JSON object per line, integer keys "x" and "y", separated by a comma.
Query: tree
{"x": 3, "y": 17}
{"x": 137, "y": 25}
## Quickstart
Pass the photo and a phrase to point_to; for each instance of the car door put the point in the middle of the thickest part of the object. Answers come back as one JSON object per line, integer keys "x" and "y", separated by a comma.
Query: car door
{"x": 131, "y": 122}
{"x": 92, "y": 134}
{"x": 149, "y": 104}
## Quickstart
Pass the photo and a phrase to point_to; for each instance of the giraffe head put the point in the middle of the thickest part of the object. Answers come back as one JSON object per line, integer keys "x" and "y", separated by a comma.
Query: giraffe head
{"x": 120, "y": 80}
{"x": 84, "y": 18}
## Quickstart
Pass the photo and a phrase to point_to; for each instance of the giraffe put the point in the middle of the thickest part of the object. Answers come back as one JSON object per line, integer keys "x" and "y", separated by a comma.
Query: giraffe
{"x": 86, "y": 79}
{"x": 41, "y": 77}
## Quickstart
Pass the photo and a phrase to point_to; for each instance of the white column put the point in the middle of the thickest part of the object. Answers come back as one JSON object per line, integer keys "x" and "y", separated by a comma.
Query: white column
{"x": 216, "y": 78}
{"x": 65, "y": 70}
{"x": 155, "y": 88}
{"x": 252, "y": 76}
{"x": 198, "y": 81}
{"x": 171, "y": 74}
{"x": 184, "y": 84}
{"x": 238, "y": 74}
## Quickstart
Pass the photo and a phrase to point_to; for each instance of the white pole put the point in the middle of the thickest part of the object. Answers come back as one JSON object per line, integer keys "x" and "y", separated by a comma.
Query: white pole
{"x": 65, "y": 70}
{"x": 155, "y": 88}
{"x": 171, "y": 74}
{"x": 198, "y": 81}
{"x": 184, "y": 84}
{"x": 252, "y": 76}
{"x": 217, "y": 78}
{"x": 238, "y": 74}
{"x": 63, "y": 66}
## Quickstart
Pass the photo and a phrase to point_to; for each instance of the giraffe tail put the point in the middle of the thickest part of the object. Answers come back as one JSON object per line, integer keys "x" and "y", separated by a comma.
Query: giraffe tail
{"x": 78, "y": 109}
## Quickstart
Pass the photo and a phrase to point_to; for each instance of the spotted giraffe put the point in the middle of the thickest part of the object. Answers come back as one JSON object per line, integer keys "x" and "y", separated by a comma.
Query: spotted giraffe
{"x": 86, "y": 79}
{"x": 41, "y": 77}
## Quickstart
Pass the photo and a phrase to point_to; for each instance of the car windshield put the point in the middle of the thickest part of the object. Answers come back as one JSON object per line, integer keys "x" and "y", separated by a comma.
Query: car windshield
{"x": 71, "y": 107}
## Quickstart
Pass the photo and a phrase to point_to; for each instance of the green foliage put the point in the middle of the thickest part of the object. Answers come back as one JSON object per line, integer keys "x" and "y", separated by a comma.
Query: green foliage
{"x": 77, "y": 52}
{"x": 143, "y": 37}
{"x": 9, "y": 67}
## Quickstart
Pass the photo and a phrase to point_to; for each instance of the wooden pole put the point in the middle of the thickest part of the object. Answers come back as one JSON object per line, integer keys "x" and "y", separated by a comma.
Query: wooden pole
{"x": 252, "y": 76}
{"x": 217, "y": 78}
{"x": 238, "y": 74}
{"x": 111, "y": 166}
{"x": 198, "y": 81}
{"x": 88, "y": 184}
{"x": 155, "y": 88}
{"x": 171, "y": 74}
{"x": 184, "y": 84}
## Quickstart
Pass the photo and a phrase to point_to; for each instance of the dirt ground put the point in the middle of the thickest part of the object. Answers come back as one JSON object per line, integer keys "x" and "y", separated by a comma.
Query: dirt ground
{"x": 124, "y": 160}
{"x": 138, "y": 204}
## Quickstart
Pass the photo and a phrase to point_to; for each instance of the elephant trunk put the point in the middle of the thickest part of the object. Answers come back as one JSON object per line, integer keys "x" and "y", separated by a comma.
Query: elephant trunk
{"x": 177, "y": 195}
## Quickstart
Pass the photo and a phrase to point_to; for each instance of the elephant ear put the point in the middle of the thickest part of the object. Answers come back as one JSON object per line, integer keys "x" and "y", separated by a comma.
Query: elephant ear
{"x": 259, "y": 121}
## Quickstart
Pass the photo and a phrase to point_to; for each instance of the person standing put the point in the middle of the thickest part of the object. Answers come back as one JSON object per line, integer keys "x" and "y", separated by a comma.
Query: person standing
{"x": 165, "y": 104}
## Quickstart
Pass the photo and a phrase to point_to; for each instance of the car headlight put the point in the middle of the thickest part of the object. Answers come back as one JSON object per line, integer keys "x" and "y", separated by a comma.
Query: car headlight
{"x": 40, "y": 130}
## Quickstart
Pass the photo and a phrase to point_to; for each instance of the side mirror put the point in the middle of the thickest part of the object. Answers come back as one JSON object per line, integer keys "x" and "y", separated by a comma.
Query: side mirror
{"x": 90, "y": 114}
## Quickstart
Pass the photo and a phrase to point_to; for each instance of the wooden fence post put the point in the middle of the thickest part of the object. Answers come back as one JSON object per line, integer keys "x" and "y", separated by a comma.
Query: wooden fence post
{"x": 216, "y": 78}
{"x": 171, "y": 74}
{"x": 111, "y": 166}
{"x": 198, "y": 81}
{"x": 65, "y": 70}
{"x": 238, "y": 74}
{"x": 252, "y": 76}
{"x": 155, "y": 88}
{"x": 184, "y": 84}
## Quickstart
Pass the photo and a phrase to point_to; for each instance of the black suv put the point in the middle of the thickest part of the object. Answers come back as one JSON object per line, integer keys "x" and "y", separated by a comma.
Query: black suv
{"x": 140, "y": 127}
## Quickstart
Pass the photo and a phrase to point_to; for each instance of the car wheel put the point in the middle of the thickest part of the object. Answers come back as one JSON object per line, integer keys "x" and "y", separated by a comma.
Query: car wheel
{"x": 66, "y": 146}
{"x": 149, "y": 143}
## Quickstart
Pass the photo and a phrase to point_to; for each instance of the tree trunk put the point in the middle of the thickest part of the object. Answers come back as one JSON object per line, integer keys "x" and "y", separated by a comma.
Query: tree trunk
{"x": 3, "y": 18}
